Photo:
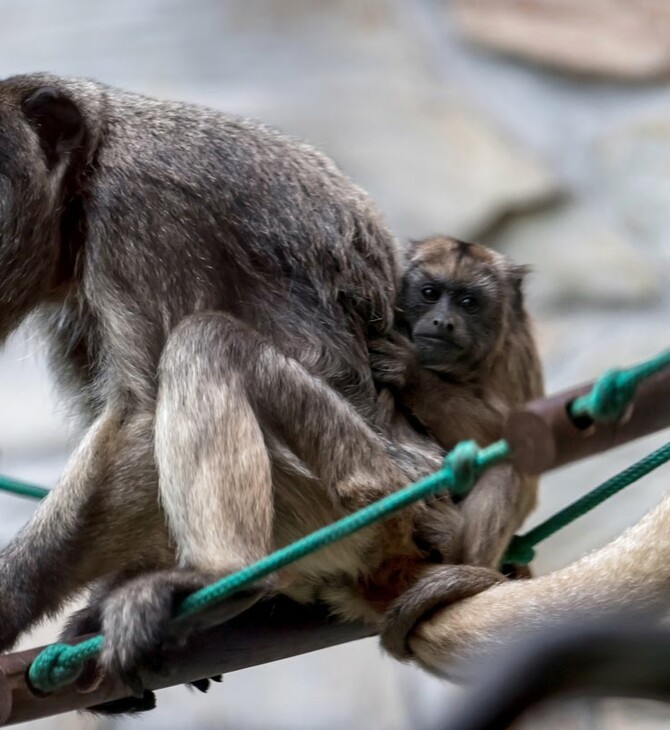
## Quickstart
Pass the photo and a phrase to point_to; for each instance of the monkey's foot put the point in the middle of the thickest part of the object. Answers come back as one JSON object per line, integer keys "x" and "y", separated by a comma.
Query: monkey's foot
{"x": 137, "y": 622}
{"x": 440, "y": 585}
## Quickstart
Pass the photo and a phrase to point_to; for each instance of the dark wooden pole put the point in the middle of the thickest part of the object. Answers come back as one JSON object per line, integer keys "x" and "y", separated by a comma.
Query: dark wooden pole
{"x": 270, "y": 630}
{"x": 543, "y": 436}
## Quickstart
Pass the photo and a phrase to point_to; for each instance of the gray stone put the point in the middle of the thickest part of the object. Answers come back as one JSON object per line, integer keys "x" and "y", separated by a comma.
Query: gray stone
{"x": 578, "y": 260}
{"x": 599, "y": 37}
{"x": 633, "y": 161}
{"x": 381, "y": 108}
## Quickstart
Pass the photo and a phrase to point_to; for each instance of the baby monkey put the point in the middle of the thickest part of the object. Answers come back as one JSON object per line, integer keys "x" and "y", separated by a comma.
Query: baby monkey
{"x": 461, "y": 358}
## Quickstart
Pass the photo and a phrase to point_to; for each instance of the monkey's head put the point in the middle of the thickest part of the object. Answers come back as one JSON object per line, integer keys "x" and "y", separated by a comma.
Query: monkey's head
{"x": 42, "y": 141}
{"x": 459, "y": 302}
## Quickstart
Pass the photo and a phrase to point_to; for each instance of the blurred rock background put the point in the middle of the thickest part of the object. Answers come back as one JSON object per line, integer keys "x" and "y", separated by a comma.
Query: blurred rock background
{"x": 541, "y": 127}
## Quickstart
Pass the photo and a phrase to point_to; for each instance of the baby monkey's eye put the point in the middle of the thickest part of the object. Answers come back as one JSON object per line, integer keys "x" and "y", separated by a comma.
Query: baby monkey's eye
{"x": 469, "y": 303}
{"x": 430, "y": 293}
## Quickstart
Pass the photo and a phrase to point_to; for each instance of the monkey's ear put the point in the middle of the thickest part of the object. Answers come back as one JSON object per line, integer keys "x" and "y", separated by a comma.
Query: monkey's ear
{"x": 517, "y": 275}
{"x": 57, "y": 121}
{"x": 412, "y": 248}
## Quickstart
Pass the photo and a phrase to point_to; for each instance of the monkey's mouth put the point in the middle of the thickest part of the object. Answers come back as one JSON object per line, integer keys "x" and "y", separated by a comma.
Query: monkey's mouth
{"x": 435, "y": 351}
{"x": 447, "y": 344}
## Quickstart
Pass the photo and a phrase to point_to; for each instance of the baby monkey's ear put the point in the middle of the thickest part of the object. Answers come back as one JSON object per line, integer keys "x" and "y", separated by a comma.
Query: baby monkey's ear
{"x": 517, "y": 275}
{"x": 412, "y": 248}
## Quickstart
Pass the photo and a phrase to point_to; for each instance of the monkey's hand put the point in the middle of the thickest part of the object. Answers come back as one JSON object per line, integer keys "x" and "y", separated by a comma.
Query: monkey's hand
{"x": 439, "y": 586}
{"x": 393, "y": 360}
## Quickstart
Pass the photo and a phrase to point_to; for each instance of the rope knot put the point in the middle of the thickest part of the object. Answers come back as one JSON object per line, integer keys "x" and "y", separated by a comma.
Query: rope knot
{"x": 54, "y": 667}
{"x": 461, "y": 461}
{"x": 611, "y": 395}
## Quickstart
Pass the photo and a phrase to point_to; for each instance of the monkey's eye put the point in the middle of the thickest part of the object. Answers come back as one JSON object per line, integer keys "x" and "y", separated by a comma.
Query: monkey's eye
{"x": 430, "y": 293}
{"x": 469, "y": 303}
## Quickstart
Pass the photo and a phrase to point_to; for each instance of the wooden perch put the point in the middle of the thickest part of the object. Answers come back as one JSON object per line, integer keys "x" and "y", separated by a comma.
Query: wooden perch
{"x": 268, "y": 631}
{"x": 542, "y": 437}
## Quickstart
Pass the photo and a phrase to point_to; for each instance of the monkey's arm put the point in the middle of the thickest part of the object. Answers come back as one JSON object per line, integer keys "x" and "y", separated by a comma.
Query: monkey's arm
{"x": 96, "y": 519}
{"x": 631, "y": 572}
{"x": 492, "y": 512}
{"x": 448, "y": 410}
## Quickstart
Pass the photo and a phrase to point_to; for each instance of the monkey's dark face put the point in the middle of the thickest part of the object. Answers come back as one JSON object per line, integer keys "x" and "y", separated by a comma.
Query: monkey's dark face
{"x": 454, "y": 300}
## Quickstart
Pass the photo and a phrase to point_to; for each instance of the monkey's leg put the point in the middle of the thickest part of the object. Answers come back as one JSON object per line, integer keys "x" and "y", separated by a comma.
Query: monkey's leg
{"x": 490, "y": 514}
{"x": 493, "y": 511}
{"x": 213, "y": 358}
{"x": 215, "y": 486}
{"x": 102, "y": 515}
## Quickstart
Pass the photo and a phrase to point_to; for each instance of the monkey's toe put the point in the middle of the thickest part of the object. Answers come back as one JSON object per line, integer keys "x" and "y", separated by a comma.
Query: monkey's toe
{"x": 203, "y": 685}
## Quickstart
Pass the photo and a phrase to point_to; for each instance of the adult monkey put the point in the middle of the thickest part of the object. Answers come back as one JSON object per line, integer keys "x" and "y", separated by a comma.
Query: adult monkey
{"x": 127, "y": 222}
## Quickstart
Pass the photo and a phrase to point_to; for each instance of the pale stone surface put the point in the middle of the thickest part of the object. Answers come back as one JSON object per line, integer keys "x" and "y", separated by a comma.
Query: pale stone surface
{"x": 578, "y": 261}
{"x": 613, "y": 38}
{"x": 633, "y": 159}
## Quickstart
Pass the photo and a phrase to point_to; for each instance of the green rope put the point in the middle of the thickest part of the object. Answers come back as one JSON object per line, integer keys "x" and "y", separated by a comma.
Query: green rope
{"x": 614, "y": 391}
{"x": 520, "y": 550}
{"x": 23, "y": 489}
{"x": 61, "y": 664}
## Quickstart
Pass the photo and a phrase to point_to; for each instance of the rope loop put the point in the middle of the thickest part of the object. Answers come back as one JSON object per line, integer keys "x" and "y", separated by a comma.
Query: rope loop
{"x": 54, "y": 667}
{"x": 462, "y": 462}
{"x": 611, "y": 395}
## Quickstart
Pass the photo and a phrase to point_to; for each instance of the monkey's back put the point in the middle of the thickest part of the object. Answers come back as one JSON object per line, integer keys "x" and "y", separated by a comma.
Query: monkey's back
{"x": 185, "y": 209}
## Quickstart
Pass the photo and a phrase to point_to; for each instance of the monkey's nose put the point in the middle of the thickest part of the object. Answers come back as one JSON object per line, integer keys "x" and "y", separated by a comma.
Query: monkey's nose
{"x": 442, "y": 325}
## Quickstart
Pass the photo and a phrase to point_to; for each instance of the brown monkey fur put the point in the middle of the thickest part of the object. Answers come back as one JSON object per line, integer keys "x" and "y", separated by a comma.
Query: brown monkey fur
{"x": 469, "y": 360}
{"x": 207, "y": 288}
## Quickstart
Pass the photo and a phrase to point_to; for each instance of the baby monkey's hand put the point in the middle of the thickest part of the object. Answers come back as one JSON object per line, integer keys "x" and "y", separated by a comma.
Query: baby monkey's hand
{"x": 393, "y": 360}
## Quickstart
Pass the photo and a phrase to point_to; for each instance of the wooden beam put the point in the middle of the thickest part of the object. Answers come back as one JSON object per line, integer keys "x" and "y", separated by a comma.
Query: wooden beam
{"x": 269, "y": 631}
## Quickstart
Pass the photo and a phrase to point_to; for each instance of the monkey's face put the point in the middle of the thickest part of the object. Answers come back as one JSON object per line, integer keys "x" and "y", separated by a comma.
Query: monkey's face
{"x": 455, "y": 298}
{"x": 39, "y": 129}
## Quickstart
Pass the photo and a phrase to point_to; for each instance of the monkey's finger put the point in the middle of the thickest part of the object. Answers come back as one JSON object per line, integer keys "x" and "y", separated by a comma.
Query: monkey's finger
{"x": 203, "y": 685}
{"x": 513, "y": 571}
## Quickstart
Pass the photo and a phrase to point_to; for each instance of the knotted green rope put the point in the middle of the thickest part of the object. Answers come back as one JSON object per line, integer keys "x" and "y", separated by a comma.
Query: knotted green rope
{"x": 520, "y": 550}
{"x": 614, "y": 391}
{"x": 60, "y": 664}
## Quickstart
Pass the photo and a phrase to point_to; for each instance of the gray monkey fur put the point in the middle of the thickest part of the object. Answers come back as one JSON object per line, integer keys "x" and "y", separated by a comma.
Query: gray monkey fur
{"x": 205, "y": 284}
